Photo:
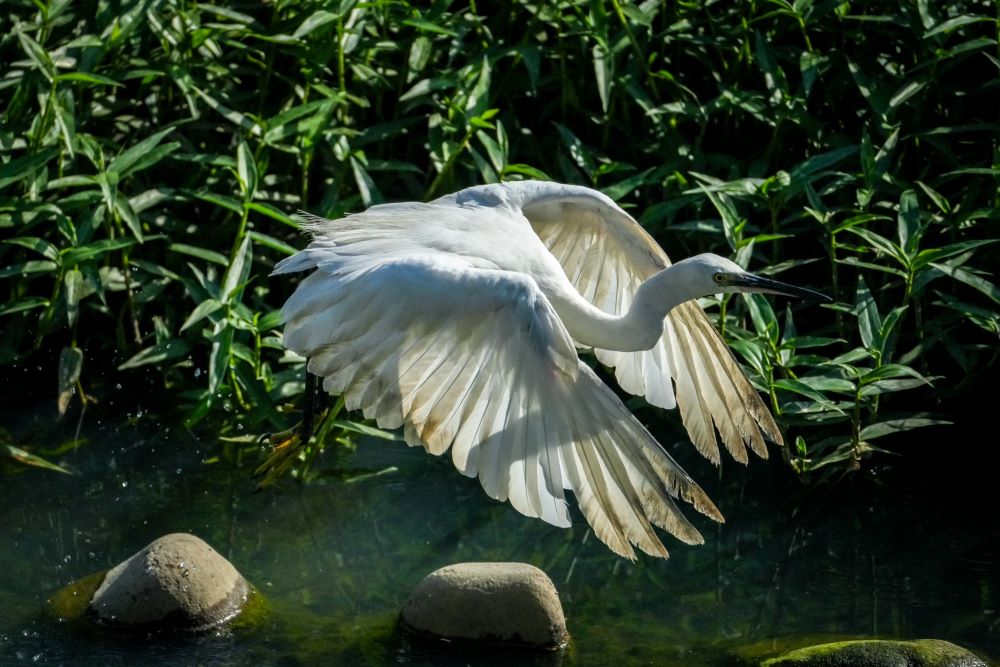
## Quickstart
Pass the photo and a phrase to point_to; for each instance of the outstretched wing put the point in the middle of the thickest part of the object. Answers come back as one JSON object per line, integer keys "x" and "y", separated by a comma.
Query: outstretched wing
{"x": 477, "y": 360}
{"x": 607, "y": 255}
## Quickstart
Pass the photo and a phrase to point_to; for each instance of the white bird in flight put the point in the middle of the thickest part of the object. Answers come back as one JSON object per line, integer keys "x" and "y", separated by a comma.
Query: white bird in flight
{"x": 460, "y": 320}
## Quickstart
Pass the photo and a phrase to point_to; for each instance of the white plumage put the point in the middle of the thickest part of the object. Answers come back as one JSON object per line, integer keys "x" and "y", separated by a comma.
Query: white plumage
{"x": 459, "y": 320}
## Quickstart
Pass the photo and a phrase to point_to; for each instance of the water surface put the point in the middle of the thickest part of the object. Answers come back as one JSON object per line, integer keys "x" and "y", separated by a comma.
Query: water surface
{"x": 337, "y": 557}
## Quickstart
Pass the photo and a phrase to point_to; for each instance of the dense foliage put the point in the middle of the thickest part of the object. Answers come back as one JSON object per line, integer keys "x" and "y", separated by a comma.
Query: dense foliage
{"x": 152, "y": 154}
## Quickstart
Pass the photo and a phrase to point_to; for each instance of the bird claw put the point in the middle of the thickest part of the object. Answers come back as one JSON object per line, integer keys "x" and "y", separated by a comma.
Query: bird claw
{"x": 285, "y": 449}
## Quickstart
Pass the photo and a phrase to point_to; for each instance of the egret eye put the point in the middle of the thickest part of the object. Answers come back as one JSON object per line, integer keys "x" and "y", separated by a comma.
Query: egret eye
{"x": 719, "y": 278}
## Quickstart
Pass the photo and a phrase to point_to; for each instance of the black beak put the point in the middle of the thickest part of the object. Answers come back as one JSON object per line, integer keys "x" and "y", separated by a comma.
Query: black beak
{"x": 757, "y": 283}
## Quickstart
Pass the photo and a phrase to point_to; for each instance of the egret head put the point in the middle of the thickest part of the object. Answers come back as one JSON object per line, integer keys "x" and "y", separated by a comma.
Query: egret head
{"x": 719, "y": 274}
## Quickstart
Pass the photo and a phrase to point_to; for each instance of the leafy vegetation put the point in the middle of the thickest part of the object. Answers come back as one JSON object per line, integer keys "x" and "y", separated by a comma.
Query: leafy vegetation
{"x": 152, "y": 153}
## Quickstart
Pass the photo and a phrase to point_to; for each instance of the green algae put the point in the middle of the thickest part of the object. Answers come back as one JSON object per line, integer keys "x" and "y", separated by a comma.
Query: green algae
{"x": 878, "y": 653}
{"x": 70, "y": 603}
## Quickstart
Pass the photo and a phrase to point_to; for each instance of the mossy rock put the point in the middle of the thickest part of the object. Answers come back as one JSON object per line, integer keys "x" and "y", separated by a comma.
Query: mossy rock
{"x": 176, "y": 582}
{"x": 878, "y": 653}
{"x": 71, "y": 602}
{"x": 509, "y": 604}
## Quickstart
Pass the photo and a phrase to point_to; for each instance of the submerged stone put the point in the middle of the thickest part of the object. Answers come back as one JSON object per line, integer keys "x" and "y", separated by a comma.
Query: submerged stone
{"x": 177, "y": 581}
{"x": 499, "y": 603}
{"x": 878, "y": 653}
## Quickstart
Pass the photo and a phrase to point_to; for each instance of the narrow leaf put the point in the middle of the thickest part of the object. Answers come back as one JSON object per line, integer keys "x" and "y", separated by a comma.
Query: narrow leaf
{"x": 70, "y": 364}
{"x": 246, "y": 168}
{"x": 201, "y": 311}
{"x": 28, "y": 303}
{"x": 73, "y": 282}
{"x": 120, "y": 165}
{"x": 18, "y": 168}
{"x": 41, "y": 246}
{"x": 28, "y": 268}
{"x": 237, "y": 272}
{"x": 869, "y": 322}
{"x": 93, "y": 250}
{"x": 890, "y": 426}
{"x": 30, "y": 459}
{"x": 171, "y": 349}
{"x": 200, "y": 253}
{"x": 218, "y": 358}
{"x": 970, "y": 279}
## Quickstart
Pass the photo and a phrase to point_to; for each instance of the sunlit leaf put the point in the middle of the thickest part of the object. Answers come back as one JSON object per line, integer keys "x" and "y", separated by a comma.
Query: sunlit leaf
{"x": 94, "y": 250}
{"x": 869, "y": 322}
{"x": 887, "y": 371}
{"x": 40, "y": 246}
{"x": 891, "y": 426}
{"x": 246, "y": 168}
{"x": 955, "y": 23}
{"x": 219, "y": 356}
{"x": 123, "y": 163}
{"x": 932, "y": 255}
{"x": 124, "y": 209}
{"x": 234, "y": 116}
{"x": 237, "y": 272}
{"x": 315, "y": 21}
{"x": 28, "y": 268}
{"x": 428, "y": 26}
{"x": 828, "y": 383}
{"x": 879, "y": 387}
{"x": 20, "y": 305}
{"x": 525, "y": 170}
{"x": 36, "y": 53}
{"x": 365, "y": 429}
{"x": 906, "y": 92}
{"x": 88, "y": 77}
{"x": 730, "y": 218}
{"x": 603, "y": 73}
{"x": 27, "y": 458}
{"x": 970, "y": 279}
{"x": 762, "y": 314}
{"x": 202, "y": 310}
{"x": 797, "y": 387}
{"x": 70, "y": 365}
{"x": 73, "y": 284}
{"x": 273, "y": 213}
{"x": 909, "y": 222}
{"x": 171, "y": 349}
{"x": 19, "y": 168}
{"x": 200, "y": 253}
{"x": 272, "y": 243}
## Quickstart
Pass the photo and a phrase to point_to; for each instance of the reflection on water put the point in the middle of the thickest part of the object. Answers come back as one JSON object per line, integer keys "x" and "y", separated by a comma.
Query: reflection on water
{"x": 337, "y": 559}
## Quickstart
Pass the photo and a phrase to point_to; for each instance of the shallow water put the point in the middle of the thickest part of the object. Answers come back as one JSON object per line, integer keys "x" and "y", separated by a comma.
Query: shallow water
{"x": 337, "y": 558}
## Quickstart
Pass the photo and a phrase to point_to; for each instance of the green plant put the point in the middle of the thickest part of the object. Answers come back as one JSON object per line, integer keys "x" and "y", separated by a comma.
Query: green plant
{"x": 152, "y": 156}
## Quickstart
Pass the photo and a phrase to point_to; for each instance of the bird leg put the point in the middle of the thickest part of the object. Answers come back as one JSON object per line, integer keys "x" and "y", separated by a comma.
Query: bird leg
{"x": 288, "y": 444}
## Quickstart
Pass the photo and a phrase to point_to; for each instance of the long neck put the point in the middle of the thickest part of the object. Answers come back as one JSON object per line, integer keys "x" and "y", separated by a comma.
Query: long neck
{"x": 638, "y": 329}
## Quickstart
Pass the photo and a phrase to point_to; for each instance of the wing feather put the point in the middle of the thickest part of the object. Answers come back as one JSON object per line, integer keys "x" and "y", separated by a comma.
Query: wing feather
{"x": 477, "y": 361}
{"x": 597, "y": 242}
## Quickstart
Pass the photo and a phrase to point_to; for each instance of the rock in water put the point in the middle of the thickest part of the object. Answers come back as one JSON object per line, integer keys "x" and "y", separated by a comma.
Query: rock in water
{"x": 177, "y": 581}
{"x": 879, "y": 653}
{"x": 502, "y": 603}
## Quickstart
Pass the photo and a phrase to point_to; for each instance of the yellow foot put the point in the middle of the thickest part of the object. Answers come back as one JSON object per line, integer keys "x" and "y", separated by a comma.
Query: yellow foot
{"x": 285, "y": 449}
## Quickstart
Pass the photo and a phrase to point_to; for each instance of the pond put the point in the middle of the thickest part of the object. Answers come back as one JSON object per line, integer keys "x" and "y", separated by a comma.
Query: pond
{"x": 336, "y": 558}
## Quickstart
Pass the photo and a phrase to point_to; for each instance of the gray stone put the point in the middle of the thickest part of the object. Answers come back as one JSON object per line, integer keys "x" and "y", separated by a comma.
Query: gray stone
{"x": 879, "y": 653}
{"x": 501, "y": 603}
{"x": 176, "y": 581}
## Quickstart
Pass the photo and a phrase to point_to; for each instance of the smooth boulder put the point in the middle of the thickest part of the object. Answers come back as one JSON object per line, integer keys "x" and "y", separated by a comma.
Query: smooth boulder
{"x": 498, "y": 603}
{"x": 878, "y": 653}
{"x": 177, "y": 581}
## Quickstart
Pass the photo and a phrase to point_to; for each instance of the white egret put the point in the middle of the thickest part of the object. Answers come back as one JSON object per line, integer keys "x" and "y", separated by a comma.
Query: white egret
{"x": 460, "y": 320}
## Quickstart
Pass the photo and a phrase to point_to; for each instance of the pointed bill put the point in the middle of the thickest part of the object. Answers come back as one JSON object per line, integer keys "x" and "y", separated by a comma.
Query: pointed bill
{"x": 751, "y": 281}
